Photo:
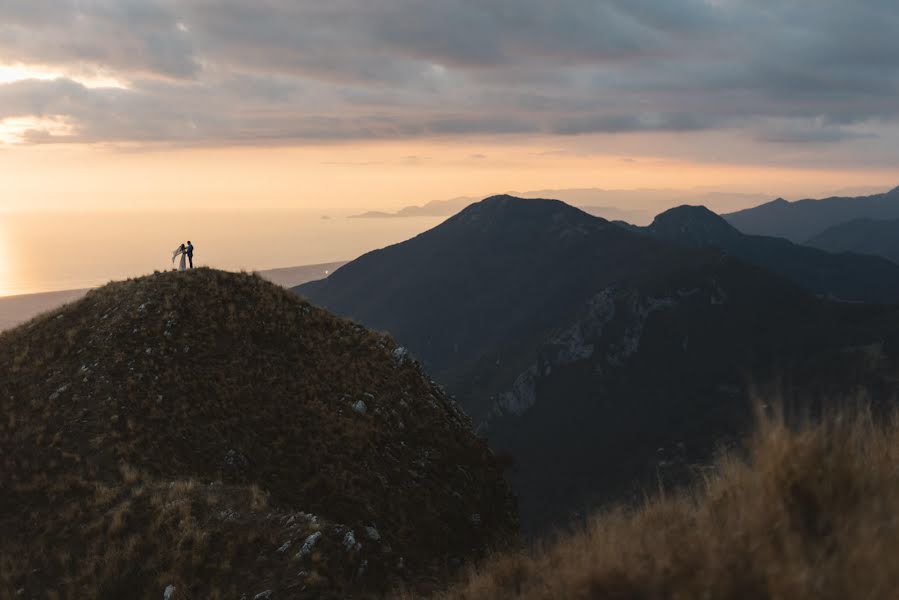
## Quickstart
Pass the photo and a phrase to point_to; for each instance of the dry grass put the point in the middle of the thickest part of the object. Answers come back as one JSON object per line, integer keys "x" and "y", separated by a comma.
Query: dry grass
{"x": 809, "y": 512}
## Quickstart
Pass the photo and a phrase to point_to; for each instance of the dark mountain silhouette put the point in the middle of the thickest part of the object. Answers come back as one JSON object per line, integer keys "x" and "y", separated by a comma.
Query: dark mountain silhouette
{"x": 214, "y": 433}
{"x": 601, "y": 359}
{"x": 847, "y": 277}
{"x": 804, "y": 219}
{"x": 862, "y": 236}
{"x": 489, "y": 284}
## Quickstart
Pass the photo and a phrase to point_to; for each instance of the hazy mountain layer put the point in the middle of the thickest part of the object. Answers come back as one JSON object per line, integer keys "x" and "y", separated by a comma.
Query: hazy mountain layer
{"x": 804, "y": 219}
{"x": 863, "y": 236}
{"x": 845, "y": 277}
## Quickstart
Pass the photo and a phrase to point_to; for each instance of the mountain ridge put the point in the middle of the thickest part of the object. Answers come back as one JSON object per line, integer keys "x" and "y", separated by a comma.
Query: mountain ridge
{"x": 861, "y": 236}
{"x": 843, "y": 276}
{"x": 803, "y": 219}
{"x": 582, "y": 348}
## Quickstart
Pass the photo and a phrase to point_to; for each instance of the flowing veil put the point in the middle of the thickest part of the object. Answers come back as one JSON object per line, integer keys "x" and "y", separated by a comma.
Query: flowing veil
{"x": 182, "y": 266}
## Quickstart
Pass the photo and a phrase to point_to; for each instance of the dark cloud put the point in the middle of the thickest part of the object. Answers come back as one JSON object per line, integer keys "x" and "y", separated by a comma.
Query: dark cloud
{"x": 791, "y": 134}
{"x": 127, "y": 35}
{"x": 624, "y": 123}
{"x": 279, "y": 71}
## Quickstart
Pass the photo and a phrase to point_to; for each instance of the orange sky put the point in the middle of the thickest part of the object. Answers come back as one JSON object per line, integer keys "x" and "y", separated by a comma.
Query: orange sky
{"x": 356, "y": 176}
{"x": 380, "y": 104}
{"x": 335, "y": 108}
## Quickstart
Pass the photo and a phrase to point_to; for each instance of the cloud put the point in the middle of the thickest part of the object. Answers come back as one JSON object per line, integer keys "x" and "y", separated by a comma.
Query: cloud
{"x": 628, "y": 123}
{"x": 132, "y": 36}
{"x": 281, "y": 71}
{"x": 814, "y": 134}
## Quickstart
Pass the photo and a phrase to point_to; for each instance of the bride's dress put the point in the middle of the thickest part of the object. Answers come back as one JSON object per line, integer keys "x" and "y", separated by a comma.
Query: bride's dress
{"x": 182, "y": 266}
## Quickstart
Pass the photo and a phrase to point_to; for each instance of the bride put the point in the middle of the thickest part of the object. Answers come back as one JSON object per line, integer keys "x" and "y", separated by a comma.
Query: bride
{"x": 182, "y": 266}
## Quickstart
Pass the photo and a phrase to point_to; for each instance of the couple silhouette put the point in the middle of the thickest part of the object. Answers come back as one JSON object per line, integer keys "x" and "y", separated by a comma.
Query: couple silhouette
{"x": 187, "y": 255}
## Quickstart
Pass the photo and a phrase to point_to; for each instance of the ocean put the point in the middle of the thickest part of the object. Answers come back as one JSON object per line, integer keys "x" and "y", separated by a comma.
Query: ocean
{"x": 41, "y": 252}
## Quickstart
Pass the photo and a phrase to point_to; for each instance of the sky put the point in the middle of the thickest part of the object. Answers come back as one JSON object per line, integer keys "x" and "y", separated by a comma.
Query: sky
{"x": 377, "y": 104}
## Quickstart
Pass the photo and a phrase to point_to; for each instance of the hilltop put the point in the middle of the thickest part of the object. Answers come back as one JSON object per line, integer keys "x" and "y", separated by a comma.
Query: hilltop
{"x": 15, "y": 310}
{"x": 213, "y": 432}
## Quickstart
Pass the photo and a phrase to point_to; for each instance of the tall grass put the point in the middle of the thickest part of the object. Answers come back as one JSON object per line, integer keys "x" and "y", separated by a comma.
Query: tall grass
{"x": 805, "y": 512}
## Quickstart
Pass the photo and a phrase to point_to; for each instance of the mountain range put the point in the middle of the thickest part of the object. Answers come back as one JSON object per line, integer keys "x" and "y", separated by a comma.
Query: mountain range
{"x": 634, "y": 206}
{"x": 840, "y": 276}
{"x": 601, "y": 359}
{"x": 861, "y": 236}
{"x": 804, "y": 219}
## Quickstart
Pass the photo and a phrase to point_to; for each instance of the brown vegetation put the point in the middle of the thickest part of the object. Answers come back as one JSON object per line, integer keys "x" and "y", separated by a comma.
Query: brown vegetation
{"x": 805, "y": 513}
{"x": 194, "y": 429}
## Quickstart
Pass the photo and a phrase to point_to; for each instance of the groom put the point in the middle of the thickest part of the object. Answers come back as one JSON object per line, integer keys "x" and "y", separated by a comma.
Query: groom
{"x": 190, "y": 254}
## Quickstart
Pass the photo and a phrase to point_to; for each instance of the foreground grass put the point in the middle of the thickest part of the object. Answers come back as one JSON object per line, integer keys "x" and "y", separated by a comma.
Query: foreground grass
{"x": 807, "y": 513}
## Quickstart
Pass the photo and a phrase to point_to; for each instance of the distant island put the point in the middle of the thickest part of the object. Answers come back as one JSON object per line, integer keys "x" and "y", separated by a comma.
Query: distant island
{"x": 633, "y": 206}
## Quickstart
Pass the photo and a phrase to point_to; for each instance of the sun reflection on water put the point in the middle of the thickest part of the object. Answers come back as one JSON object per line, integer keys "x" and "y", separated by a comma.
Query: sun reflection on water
{"x": 6, "y": 275}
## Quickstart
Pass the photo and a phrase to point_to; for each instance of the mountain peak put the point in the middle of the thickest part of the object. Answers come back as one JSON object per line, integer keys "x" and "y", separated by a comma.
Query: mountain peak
{"x": 695, "y": 225}
{"x": 505, "y": 202}
{"x": 512, "y": 215}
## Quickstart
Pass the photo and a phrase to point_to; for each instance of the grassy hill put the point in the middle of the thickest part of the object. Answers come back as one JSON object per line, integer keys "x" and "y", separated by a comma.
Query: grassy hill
{"x": 805, "y": 513}
{"x": 214, "y": 433}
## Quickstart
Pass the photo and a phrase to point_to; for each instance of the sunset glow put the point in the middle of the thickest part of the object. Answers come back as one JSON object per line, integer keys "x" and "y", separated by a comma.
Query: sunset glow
{"x": 17, "y": 130}
{"x": 6, "y": 275}
{"x": 377, "y": 105}
{"x": 387, "y": 298}
{"x": 11, "y": 73}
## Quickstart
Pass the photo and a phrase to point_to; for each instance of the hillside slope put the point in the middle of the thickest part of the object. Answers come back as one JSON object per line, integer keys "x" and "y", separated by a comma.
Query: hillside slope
{"x": 844, "y": 276}
{"x": 862, "y": 236}
{"x": 801, "y": 220}
{"x": 213, "y": 432}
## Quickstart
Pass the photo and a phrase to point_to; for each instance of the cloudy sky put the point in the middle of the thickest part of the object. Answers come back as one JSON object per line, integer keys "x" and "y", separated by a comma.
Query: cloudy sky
{"x": 391, "y": 102}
